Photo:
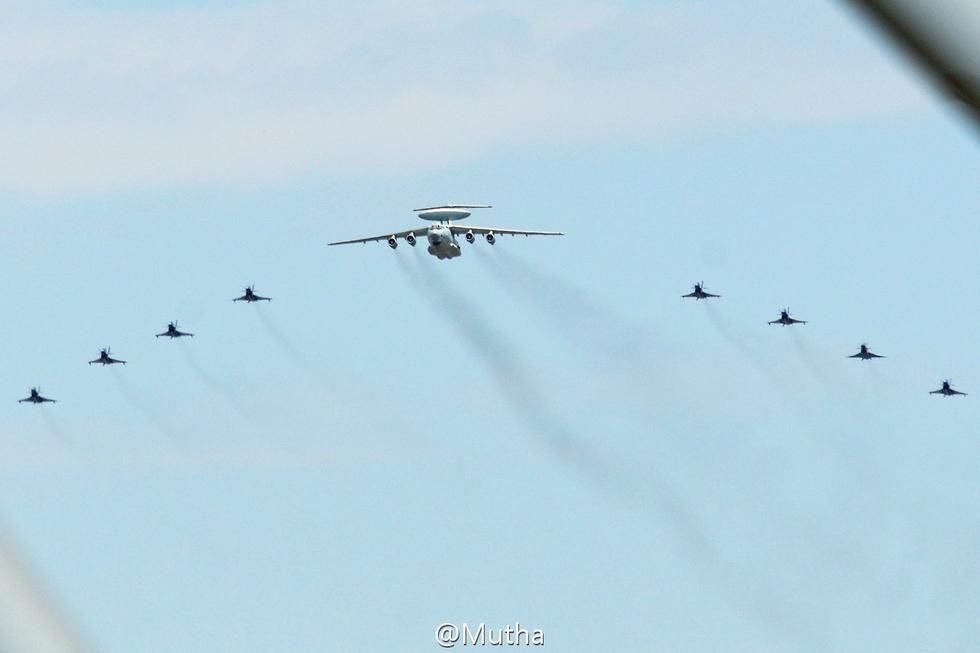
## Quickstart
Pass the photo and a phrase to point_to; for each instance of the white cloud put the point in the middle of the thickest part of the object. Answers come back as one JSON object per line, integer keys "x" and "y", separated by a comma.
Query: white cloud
{"x": 102, "y": 101}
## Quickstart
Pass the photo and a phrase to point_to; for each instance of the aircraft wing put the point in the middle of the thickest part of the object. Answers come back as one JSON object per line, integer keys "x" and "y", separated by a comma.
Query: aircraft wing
{"x": 462, "y": 229}
{"x": 418, "y": 231}
{"x": 708, "y": 294}
{"x": 690, "y": 294}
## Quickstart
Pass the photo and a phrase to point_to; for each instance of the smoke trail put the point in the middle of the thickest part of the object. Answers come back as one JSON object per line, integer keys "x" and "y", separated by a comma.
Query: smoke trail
{"x": 230, "y": 396}
{"x": 347, "y": 400}
{"x": 137, "y": 404}
{"x": 572, "y": 311}
{"x": 721, "y": 325}
{"x": 57, "y": 430}
{"x": 529, "y": 405}
{"x": 282, "y": 340}
{"x": 807, "y": 356}
{"x": 295, "y": 355}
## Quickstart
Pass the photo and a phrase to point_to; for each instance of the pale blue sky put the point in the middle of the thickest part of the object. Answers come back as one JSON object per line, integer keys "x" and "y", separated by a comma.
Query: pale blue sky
{"x": 374, "y": 452}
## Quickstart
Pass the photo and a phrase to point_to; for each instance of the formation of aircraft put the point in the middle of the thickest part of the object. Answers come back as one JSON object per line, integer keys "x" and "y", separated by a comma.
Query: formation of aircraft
{"x": 443, "y": 244}
{"x": 250, "y": 296}
{"x": 105, "y": 359}
{"x": 36, "y": 398}
{"x": 172, "y": 332}
{"x": 441, "y": 235}
{"x": 786, "y": 320}
{"x": 699, "y": 292}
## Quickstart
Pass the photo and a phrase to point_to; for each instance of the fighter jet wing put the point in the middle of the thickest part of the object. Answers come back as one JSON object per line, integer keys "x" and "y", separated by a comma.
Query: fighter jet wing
{"x": 793, "y": 320}
{"x": 462, "y": 229}
{"x": 20, "y": 401}
{"x": 418, "y": 231}
{"x": 114, "y": 360}
{"x": 184, "y": 333}
{"x": 708, "y": 294}
{"x": 165, "y": 333}
{"x": 956, "y": 392}
{"x": 690, "y": 294}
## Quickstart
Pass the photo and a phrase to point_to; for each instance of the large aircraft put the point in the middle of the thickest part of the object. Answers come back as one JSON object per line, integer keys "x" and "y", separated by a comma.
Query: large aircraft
{"x": 250, "y": 296}
{"x": 36, "y": 398}
{"x": 947, "y": 390}
{"x": 442, "y": 234}
{"x": 699, "y": 292}
{"x": 865, "y": 354}
{"x": 172, "y": 332}
{"x": 786, "y": 320}
{"x": 105, "y": 359}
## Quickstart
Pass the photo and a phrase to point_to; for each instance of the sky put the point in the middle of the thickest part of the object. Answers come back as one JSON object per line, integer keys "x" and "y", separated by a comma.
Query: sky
{"x": 540, "y": 431}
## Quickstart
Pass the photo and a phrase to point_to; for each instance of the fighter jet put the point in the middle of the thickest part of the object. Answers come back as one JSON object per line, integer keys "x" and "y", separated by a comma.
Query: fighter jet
{"x": 865, "y": 354}
{"x": 250, "y": 296}
{"x": 442, "y": 236}
{"x": 172, "y": 332}
{"x": 947, "y": 390}
{"x": 786, "y": 320}
{"x": 36, "y": 398}
{"x": 105, "y": 359}
{"x": 699, "y": 292}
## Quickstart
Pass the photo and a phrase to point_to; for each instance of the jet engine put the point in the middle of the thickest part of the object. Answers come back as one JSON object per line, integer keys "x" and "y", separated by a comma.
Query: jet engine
{"x": 410, "y": 239}
{"x": 491, "y": 238}
{"x": 470, "y": 237}
{"x": 392, "y": 243}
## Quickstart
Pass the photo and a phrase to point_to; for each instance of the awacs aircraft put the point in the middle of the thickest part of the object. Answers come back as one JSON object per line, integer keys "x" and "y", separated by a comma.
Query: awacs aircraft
{"x": 947, "y": 390}
{"x": 36, "y": 398}
{"x": 442, "y": 235}
{"x": 785, "y": 319}
{"x": 865, "y": 354}
{"x": 250, "y": 296}
{"x": 172, "y": 332}
{"x": 699, "y": 292}
{"x": 105, "y": 359}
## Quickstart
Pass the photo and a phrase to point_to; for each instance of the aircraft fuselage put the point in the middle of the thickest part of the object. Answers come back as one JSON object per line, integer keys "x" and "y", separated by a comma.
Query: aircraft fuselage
{"x": 442, "y": 242}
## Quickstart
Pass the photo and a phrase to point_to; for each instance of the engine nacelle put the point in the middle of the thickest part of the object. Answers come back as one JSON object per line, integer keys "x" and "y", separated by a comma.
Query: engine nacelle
{"x": 392, "y": 243}
{"x": 470, "y": 237}
{"x": 410, "y": 239}
{"x": 491, "y": 238}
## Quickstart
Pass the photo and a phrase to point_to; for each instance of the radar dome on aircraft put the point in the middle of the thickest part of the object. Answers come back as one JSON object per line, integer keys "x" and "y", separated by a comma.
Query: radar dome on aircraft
{"x": 448, "y": 212}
